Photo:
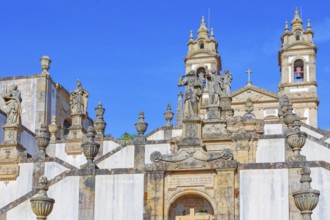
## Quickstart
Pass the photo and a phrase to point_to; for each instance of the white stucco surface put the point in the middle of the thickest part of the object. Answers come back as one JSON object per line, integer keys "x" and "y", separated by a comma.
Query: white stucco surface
{"x": 270, "y": 150}
{"x": 320, "y": 181}
{"x": 311, "y": 133}
{"x": 121, "y": 159}
{"x": 122, "y": 198}
{"x": 3, "y": 120}
{"x": 273, "y": 129}
{"x": 158, "y": 135}
{"x": 314, "y": 151}
{"x": 264, "y": 194}
{"x": 327, "y": 140}
{"x": 76, "y": 160}
{"x": 53, "y": 169}
{"x": 162, "y": 148}
{"x": 24, "y": 210}
{"x": 109, "y": 146}
{"x": 176, "y": 132}
{"x": 15, "y": 189}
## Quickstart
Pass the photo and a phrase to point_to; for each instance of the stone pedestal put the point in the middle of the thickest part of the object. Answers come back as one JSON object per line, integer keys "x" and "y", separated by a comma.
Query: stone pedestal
{"x": 76, "y": 135}
{"x": 191, "y": 132}
{"x": 214, "y": 129}
{"x": 10, "y": 150}
{"x": 213, "y": 111}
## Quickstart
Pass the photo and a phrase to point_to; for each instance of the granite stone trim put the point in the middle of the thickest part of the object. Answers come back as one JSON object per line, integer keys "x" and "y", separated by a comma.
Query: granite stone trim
{"x": 284, "y": 165}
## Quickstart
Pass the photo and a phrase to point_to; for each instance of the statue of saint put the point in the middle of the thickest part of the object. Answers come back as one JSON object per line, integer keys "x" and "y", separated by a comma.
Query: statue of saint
{"x": 13, "y": 106}
{"x": 215, "y": 86}
{"x": 192, "y": 94}
{"x": 78, "y": 100}
{"x": 226, "y": 78}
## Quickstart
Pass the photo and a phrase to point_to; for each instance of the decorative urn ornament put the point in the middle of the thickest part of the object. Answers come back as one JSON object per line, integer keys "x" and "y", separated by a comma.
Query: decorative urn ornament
{"x": 306, "y": 199}
{"x": 168, "y": 115}
{"x": 90, "y": 147}
{"x": 42, "y": 139}
{"x": 141, "y": 126}
{"x": 296, "y": 140}
{"x": 99, "y": 123}
{"x": 45, "y": 63}
{"x": 41, "y": 204}
{"x": 53, "y": 128}
{"x": 289, "y": 118}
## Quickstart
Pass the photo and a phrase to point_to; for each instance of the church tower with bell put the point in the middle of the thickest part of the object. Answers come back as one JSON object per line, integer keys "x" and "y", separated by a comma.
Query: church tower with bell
{"x": 298, "y": 70}
{"x": 203, "y": 57}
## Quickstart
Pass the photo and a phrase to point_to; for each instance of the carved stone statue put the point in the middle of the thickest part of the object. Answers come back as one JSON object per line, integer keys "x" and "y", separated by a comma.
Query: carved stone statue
{"x": 13, "y": 106}
{"x": 78, "y": 100}
{"x": 284, "y": 104}
{"x": 192, "y": 93}
{"x": 215, "y": 88}
{"x": 227, "y": 78}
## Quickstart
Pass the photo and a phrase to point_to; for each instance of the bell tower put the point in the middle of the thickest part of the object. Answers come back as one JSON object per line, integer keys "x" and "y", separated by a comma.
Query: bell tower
{"x": 298, "y": 70}
{"x": 202, "y": 52}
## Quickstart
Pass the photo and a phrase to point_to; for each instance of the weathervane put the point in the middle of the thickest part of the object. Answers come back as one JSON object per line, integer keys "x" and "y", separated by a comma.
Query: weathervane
{"x": 249, "y": 71}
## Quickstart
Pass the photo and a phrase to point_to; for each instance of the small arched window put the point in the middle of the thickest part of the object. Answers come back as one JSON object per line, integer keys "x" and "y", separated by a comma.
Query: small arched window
{"x": 298, "y": 70}
{"x": 298, "y": 36}
{"x": 201, "y": 45}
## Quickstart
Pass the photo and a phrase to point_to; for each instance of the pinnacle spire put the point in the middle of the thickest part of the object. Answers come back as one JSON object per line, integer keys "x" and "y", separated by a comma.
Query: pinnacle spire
{"x": 212, "y": 33}
{"x": 203, "y": 31}
{"x": 286, "y": 29}
{"x": 296, "y": 22}
{"x": 191, "y": 37}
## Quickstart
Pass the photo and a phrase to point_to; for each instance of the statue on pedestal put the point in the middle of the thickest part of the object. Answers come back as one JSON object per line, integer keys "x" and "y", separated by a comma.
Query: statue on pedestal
{"x": 227, "y": 78}
{"x": 13, "y": 105}
{"x": 215, "y": 87}
{"x": 192, "y": 94}
{"x": 78, "y": 100}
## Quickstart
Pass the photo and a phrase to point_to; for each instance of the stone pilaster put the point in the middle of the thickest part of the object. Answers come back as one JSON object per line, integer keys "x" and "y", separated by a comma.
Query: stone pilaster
{"x": 86, "y": 197}
{"x": 139, "y": 153}
{"x": 179, "y": 111}
{"x": 154, "y": 205}
{"x": 225, "y": 194}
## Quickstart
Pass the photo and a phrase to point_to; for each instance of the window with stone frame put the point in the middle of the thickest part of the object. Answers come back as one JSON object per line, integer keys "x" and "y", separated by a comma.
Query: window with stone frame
{"x": 298, "y": 70}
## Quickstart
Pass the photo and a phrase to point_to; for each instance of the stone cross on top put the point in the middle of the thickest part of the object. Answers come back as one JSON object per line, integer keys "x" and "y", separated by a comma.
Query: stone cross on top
{"x": 249, "y": 71}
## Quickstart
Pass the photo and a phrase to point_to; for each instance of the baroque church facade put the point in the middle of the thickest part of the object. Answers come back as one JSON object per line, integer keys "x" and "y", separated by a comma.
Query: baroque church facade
{"x": 230, "y": 155}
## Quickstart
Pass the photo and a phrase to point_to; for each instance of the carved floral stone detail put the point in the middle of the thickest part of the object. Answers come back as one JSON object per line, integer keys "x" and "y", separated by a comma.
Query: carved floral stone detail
{"x": 168, "y": 115}
{"x": 90, "y": 147}
{"x": 42, "y": 139}
{"x": 41, "y": 204}
{"x": 141, "y": 126}
{"x": 306, "y": 199}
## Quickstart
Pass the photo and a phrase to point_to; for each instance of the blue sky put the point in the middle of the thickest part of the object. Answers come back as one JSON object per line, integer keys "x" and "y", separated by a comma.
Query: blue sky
{"x": 129, "y": 54}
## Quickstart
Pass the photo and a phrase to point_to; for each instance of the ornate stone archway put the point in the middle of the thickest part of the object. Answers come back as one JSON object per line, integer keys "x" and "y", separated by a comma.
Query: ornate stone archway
{"x": 190, "y": 206}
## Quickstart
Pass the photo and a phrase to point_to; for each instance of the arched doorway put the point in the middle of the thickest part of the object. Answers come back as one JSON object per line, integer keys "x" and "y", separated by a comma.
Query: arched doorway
{"x": 191, "y": 207}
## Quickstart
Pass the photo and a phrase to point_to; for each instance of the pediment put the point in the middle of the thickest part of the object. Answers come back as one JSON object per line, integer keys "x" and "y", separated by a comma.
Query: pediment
{"x": 255, "y": 93}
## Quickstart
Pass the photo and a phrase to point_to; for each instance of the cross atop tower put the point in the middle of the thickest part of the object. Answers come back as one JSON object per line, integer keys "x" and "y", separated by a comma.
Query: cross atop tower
{"x": 249, "y": 71}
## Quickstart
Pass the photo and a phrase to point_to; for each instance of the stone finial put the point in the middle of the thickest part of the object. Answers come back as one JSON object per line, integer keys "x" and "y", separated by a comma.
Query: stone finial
{"x": 309, "y": 27}
{"x": 53, "y": 128}
{"x": 191, "y": 37}
{"x": 42, "y": 138}
{"x": 296, "y": 140}
{"x": 203, "y": 31}
{"x": 286, "y": 29}
{"x": 178, "y": 120}
{"x": 212, "y": 34}
{"x": 306, "y": 199}
{"x": 41, "y": 204}
{"x": 141, "y": 126}
{"x": 45, "y": 64}
{"x": 99, "y": 122}
{"x": 168, "y": 115}
{"x": 90, "y": 147}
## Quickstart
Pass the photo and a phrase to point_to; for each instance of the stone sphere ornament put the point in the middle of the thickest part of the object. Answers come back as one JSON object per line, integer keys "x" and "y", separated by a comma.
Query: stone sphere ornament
{"x": 41, "y": 204}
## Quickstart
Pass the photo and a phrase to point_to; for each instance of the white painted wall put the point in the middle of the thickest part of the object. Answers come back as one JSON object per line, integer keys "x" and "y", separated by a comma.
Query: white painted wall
{"x": 109, "y": 146}
{"x": 22, "y": 211}
{"x": 76, "y": 160}
{"x": 321, "y": 179}
{"x": 159, "y": 135}
{"x": 53, "y": 169}
{"x": 28, "y": 141}
{"x": 270, "y": 150}
{"x": 314, "y": 151}
{"x": 119, "y": 197}
{"x": 311, "y": 132}
{"x": 176, "y": 132}
{"x": 162, "y": 148}
{"x": 122, "y": 159}
{"x": 264, "y": 194}
{"x": 15, "y": 189}
{"x": 273, "y": 129}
